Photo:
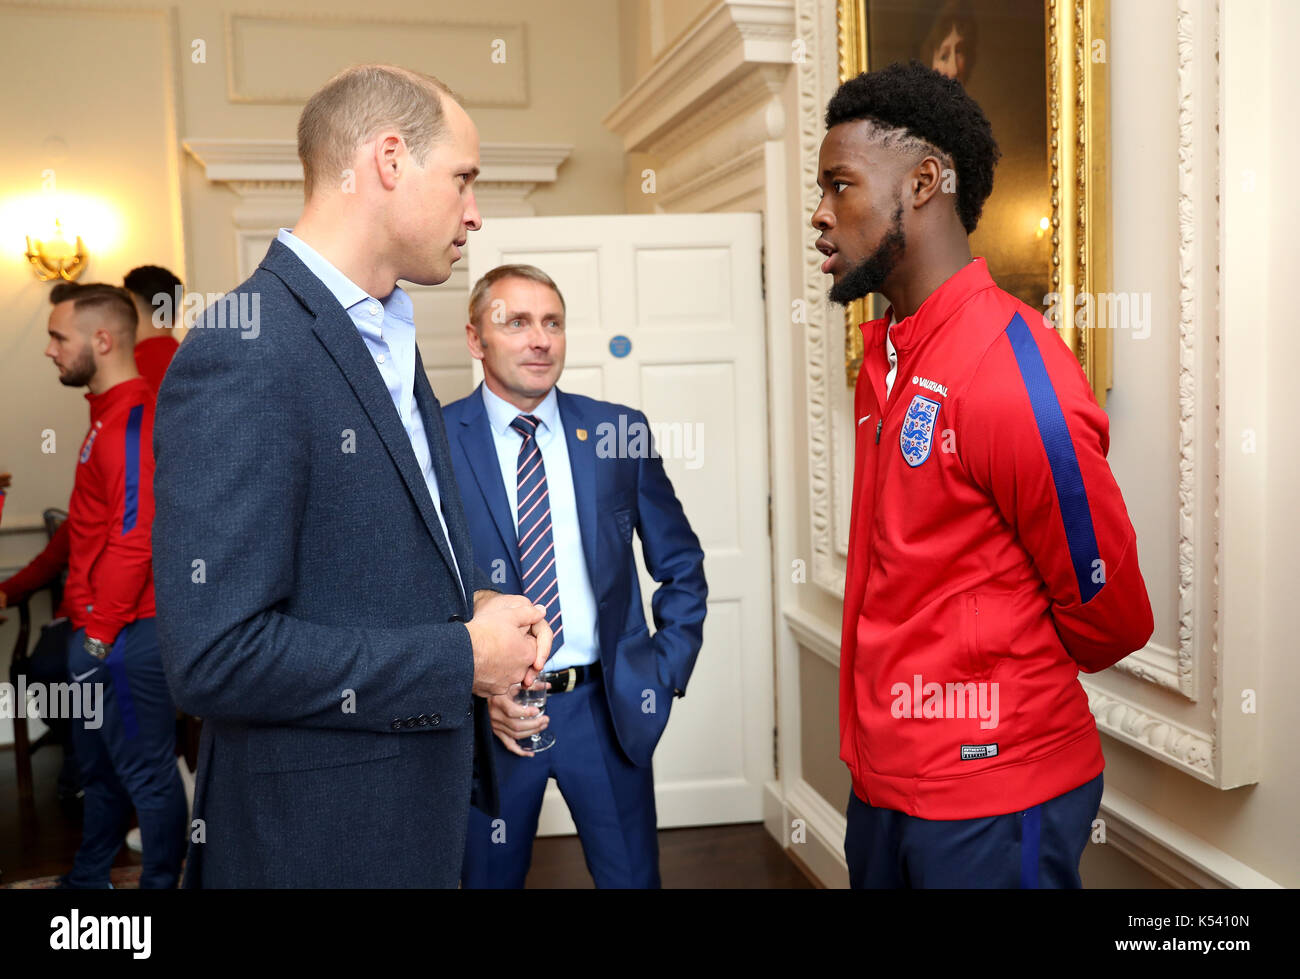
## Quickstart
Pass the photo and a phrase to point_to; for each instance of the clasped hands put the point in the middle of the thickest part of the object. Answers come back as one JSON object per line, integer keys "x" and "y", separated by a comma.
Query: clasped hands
{"x": 511, "y": 640}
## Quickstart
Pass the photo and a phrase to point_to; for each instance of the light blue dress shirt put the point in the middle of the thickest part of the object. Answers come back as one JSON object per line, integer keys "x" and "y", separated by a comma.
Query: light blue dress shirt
{"x": 577, "y": 600}
{"x": 388, "y": 328}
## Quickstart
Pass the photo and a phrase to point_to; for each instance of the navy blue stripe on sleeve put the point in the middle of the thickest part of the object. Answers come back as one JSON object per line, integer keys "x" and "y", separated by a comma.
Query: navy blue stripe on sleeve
{"x": 131, "y": 506}
{"x": 1075, "y": 513}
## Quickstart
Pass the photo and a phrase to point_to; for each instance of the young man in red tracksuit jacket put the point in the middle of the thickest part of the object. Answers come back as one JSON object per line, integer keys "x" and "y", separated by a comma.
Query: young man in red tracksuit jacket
{"x": 127, "y": 754}
{"x": 152, "y": 353}
{"x": 990, "y": 554}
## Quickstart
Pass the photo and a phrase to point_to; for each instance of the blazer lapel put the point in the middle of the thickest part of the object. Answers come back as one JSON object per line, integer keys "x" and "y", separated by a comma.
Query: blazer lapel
{"x": 586, "y": 479}
{"x": 453, "y": 511}
{"x": 479, "y": 443}
{"x": 340, "y": 338}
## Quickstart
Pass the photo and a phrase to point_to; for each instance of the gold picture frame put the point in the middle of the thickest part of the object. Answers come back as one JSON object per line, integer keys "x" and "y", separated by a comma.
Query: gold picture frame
{"x": 1076, "y": 148}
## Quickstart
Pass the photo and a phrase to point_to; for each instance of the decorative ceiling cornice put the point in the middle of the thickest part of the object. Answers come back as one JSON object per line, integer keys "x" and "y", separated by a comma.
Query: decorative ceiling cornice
{"x": 257, "y": 161}
{"x": 739, "y": 48}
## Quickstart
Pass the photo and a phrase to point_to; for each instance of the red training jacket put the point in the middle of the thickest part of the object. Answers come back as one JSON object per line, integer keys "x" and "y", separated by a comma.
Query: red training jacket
{"x": 110, "y": 516}
{"x": 40, "y": 571}
{"x": 990, "y": 559}
{"x": 153, "y": 355}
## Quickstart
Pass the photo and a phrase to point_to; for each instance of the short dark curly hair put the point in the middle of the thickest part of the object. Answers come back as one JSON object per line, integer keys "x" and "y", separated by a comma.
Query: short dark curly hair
{"x": 915, "y": 107}
{"x": 147, "y": 281}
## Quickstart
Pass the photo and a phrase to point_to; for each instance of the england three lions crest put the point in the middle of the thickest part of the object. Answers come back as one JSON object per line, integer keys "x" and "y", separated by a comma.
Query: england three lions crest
{"x": 917, "y": 435}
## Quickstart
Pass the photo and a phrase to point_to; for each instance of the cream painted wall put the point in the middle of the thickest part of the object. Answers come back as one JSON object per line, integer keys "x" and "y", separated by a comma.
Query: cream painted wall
{"x": 112, "y": 149}
{"x": 572, "y": 53}
{"x": 142, "y": 93}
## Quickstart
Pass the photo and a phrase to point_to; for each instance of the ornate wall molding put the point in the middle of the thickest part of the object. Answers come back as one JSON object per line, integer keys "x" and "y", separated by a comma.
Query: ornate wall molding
{"x": 267, "y": 176}
{"x": 707, "y": 75}
{"x": 816, "y": 27}
{"x": 1177, "y": 670}
{"x": 1183, "y": 747}
{"x": 253, "y": 161}
{"x": 708, "y": 109}
{"x": 1218, "y": 756}
{"x": 741, "y": 173}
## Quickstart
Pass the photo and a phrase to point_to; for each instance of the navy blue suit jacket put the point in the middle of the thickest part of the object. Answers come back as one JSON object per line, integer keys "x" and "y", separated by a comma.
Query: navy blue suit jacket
{"x": 307, "y": 605}
{"x": 615, "y": 495}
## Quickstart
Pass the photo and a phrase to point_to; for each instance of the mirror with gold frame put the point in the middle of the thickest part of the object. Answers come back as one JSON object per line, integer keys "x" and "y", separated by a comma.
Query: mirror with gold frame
{"x": 1038, "y": 68}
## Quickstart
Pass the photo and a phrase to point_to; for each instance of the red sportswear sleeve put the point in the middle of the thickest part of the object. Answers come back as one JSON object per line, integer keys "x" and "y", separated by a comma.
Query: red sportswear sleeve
{"x": 1034, "y": 438}
{"x": 41, "y": 570}
{"x": 125, "y": 565}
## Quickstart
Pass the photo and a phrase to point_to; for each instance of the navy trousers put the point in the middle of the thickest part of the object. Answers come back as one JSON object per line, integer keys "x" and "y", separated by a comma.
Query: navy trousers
{"x": 128, "y": 761}
{"x": 1039, "y": 847}
{"x": 611, "y": 800}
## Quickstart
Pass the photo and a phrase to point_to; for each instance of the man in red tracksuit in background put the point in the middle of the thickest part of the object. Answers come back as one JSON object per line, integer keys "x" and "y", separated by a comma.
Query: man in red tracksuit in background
{"x": 152, "y": 352}
{"x": 155, "y": 319}
{"x": 990, "y": 553}
{"x": 128, "y": 760}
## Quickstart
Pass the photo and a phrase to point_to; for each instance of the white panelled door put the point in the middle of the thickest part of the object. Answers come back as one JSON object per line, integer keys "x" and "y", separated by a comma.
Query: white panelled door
{"x": 680, "y": 298}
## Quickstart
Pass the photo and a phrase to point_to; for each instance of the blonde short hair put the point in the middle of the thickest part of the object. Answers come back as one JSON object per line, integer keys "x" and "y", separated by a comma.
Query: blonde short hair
{"x": 478, "y": 297}
{"x": 357, "y": 102}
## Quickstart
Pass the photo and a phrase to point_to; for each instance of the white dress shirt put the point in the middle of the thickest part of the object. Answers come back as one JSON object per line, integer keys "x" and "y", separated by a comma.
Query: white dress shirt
{"x": 577, "y": 599}
{"x": 388, "y": 328}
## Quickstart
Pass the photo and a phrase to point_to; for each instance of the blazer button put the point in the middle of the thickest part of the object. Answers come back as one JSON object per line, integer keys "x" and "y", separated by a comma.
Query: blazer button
{"x": 422, "y": 720}
{"x": 397, "y": 723}
{"x": 435, "y": 720}
{"x": 410, "y": 722}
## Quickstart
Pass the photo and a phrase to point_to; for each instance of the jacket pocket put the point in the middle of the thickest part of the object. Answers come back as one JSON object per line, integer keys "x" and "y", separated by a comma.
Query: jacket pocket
{"x": 974, "y": 661}
{"x": 297, "y": 749}
{"x": 985, "y": 630}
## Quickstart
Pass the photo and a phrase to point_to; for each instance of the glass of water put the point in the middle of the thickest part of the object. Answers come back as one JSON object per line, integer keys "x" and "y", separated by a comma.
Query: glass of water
{"x": 534, "y": 696}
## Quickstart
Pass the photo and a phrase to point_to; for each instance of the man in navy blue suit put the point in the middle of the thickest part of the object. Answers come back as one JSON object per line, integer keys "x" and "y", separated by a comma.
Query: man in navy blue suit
{"x": 317, "y": 599}
{"x": 552, "y": 497}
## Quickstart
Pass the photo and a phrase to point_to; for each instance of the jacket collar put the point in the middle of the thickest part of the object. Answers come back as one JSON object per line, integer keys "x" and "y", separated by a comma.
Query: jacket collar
{"x": 937, "y": 309}
{"x": 136, "y": 389}
{"x": 340, "y": 337}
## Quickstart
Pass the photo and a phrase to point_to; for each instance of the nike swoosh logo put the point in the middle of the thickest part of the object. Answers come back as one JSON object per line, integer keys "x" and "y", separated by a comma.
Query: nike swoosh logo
{"x": 863, "y": 418}
{"x": 78, "y": 679}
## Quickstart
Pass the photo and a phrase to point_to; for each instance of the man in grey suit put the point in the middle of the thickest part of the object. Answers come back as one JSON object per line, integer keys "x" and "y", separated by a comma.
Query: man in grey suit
{"x": 318, "y": 603}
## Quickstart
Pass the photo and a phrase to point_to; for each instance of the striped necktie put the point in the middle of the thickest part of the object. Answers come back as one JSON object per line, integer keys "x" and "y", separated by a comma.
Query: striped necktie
{"x": 536, "y": 545}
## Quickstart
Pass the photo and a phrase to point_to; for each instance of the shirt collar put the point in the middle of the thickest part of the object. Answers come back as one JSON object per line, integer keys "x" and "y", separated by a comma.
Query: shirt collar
{"x": 396, "y": 304}
{"x": 501, "y": 412}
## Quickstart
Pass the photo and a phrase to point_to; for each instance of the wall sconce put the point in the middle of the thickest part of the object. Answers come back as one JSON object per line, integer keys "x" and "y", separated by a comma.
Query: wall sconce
{"x": 55, "y": 258}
